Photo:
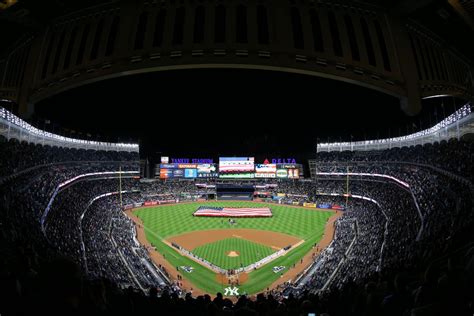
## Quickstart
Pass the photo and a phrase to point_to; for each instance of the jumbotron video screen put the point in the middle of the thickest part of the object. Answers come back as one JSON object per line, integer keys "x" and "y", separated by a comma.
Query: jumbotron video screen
{"x": 237, "y": 167}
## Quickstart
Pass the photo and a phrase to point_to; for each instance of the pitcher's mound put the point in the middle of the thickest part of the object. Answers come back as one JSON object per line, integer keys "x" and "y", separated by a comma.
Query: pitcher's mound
{"x": 233, "y": 253}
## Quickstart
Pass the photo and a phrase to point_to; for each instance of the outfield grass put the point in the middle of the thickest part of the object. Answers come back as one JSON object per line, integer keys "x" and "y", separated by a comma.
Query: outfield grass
{"x": 165, "y": 221}
{"x": 249, "y": 252}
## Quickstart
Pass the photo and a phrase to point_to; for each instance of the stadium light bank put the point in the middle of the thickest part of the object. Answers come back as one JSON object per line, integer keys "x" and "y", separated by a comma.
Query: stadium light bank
{"x": 456, "y": 125}
{"x": 11, "y": 126}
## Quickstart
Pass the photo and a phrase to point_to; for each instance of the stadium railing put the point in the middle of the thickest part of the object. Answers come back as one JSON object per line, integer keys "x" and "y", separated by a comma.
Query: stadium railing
{"x": 456, "y": 125}
{"x": 13, "y": 127}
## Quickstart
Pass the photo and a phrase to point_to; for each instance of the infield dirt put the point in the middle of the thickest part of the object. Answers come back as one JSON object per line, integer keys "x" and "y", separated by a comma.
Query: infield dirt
{"x": 198, "y": 238}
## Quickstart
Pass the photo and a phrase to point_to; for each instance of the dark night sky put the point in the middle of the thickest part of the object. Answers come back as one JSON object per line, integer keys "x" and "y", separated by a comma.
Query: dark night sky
{"x": 230, "y": 112}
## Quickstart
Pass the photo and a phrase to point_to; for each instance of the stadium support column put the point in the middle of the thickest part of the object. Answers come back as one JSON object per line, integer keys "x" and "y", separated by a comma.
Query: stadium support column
{"x": 31, "y": 75}
{"x": 280, "y": 11}
{"x": 128, "y": 13}
{"x": 347, "y": 186}
{"x": 120, "y": 186}
{"x": 411, "y": 102}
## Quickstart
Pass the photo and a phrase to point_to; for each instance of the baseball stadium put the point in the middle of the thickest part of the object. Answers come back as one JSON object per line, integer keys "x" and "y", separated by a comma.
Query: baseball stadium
{"x": 265, "y": 158}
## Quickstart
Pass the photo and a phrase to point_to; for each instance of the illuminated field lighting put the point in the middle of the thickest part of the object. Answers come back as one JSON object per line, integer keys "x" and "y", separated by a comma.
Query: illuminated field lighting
{"x": 436, "y": 96}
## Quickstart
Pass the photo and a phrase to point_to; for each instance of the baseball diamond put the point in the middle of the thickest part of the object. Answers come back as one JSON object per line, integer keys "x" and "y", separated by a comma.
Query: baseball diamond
{"x": 242, "y": 254}
{"x": 212, "y": 238}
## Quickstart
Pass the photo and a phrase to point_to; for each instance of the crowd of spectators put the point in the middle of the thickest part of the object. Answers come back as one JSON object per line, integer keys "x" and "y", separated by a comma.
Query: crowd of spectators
{"x": 34, "y": 155}
{"x": 455, "y": 156}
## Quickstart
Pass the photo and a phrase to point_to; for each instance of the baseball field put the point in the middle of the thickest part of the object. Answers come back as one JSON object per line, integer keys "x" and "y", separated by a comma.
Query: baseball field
{"x": 231, "y": 246}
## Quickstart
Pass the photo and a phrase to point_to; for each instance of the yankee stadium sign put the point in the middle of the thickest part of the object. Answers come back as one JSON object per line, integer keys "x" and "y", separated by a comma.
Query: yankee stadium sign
{"x": 192, "y": 160}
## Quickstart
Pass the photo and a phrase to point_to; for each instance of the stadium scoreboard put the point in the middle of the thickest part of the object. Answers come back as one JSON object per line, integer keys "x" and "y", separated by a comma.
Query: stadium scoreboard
{"x": 187, "y": 171}
{"x": 228, "y": 168}
{"x": 237, "y": 167}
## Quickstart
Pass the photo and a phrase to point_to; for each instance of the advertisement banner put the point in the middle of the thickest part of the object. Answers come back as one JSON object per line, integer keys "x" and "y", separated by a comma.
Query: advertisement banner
{"x": 178, "y": 173}
{"x": 168, "y": 166}
{"x": 282, "y": 173}
{"x": 208, "y": 175}
{"x": 309, "y": 205}
{"x": 190, "y": 173}
{"x": 239, "y": 175}
{"x": 166, "y": 173}
{"x": 150, "y": 203}
{"x": 287, "y": 166}
{"x": 265, "y": 175}
{"x": 166, "y": 201}
{"x": 187, "y": 166}
{"x": 337, "y": 207}
{"x": 324, "y": 205}
{"x": 265, "y": 168}
{"x": 281, "y": 194}
{"x": 206, "y": 168}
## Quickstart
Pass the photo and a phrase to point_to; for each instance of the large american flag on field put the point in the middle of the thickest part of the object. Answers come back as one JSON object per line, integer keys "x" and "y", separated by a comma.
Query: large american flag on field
{"x": 233, "y": 211}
